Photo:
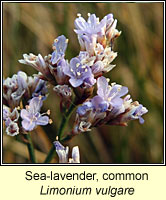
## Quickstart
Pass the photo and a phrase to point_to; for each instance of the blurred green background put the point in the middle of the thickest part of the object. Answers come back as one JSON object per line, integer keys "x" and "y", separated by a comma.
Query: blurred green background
{"x": 32, "y": 27}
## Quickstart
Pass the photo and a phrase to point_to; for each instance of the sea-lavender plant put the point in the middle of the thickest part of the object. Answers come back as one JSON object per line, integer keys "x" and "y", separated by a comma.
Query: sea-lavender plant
{"x": 74, "y": 82}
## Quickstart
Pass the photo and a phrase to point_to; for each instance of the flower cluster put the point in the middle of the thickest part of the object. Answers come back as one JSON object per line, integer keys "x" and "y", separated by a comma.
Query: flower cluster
{"x": 19, "y": 91}
{"x": 107, "y": 107}
{"x": 74, "y": 79}
{"x": 95, "y": 58}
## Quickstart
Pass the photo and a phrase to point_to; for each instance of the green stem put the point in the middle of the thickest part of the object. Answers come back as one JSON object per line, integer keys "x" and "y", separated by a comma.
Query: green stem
{"x": 64, "y": 121}
{"x": 30, "y": 148}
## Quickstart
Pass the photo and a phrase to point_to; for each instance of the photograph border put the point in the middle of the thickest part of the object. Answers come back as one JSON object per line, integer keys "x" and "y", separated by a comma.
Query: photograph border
{"x": 80, "y": 164}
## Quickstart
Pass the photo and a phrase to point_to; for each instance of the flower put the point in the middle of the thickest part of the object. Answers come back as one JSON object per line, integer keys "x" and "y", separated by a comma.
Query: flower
{"x": 11, "y": 118}
{"x": 36, "y": 62}
{"x": 64, "y": 151}
{"x": 88, "y": 115}
{"x": 75, "y": 155}
{"x": 133, "y": 111}
{"x": 138, "y": 112}
{"x": 59, "y": 47}
{"x": 91, "y": 26}
{"x": 58, "y": 71}
{"x": 104, "y": 56}
{"x": 14, "y": 115}
{"x": 109, "y": 96}
{"x": 93, "y": 31}
{"x": 40, "y": 89}
{"x": 64, "y": 91}
{"x": 22, "y": 87}
{"x": 40, "y": 64}
{"x": 79, "y": 74}
{"x": 51, "y": 66}
{"x": 12, "y": 129}
{"x": 107, "y": 107}
{"x": 111, "y": 31}
{"x": 31, "y": 115}
{"x": 14, "y": 88}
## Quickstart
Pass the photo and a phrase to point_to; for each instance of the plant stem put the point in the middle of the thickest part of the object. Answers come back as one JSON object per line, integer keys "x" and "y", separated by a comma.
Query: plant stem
{"x": 64, "y": 121}
{"x": 30, "y": 148}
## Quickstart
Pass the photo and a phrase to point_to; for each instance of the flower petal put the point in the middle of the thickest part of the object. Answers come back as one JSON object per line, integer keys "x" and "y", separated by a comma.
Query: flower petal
{"x": 43, "y": 120}
{"x": 35, "y": 105}
{"x": 25, "y": 114}
{"x": 75, "y": 82}
{"x": 75, "y": 155}
{"x": 12, "y": 129}
{"x": 28, "y": 125}
{"x": 102, "y": 85}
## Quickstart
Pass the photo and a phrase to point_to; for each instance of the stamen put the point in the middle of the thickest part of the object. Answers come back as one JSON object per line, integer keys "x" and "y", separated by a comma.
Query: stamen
{"x": 71, "y": 70}
{"x": 57, "y": 138}
{"x": 86, "y": 70}
{"x": 78, "y": 64}
{"x": 27, "y": 107}
{"x": 56, "y": 40}
{"x": 18, "y": 108}
{"x": 108, "y": 80}
{"x": 113, "y": 83}
{"x": 78, "y": 73}
{"x": 78, "y": 15}
{"x": 88, "y": 14}
{"x": 48, "y": 112}
{"x": 50, "y": 121}
{"x": 136, "y": 103}
{"x": 67, "y": 40}
{"x": 119, "y": 89}
{"x": 54, "y": 48}
{"x": 98, "y": 20}
{"x": 83, "y": 67}
{"x": 109, "y": 88}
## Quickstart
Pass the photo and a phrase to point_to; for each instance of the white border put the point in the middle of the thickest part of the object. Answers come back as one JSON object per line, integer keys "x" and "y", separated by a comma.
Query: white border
{"x": 162, "y": 164}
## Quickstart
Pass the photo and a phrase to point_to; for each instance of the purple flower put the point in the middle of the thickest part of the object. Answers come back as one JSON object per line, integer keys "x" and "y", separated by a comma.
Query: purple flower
{"x": 109, "y": 96}
{"x": 91, "y": 26}
{"x": 12, "y": 129}
{"x": 31, "y": 115}
{"x": 93, "y": 31}
{"x": 64, "y": 91}
{"x": 79, "y": 74}
{"x": 58, "y": 71}
{"x": 35, "y": 61}
{"x": 41, "y": 89}
{"x": 59, "y": 46}
{"x": 88, "y": 115}
{"x": 64, "y": 151}
{"x": 14, "y": 88}
{"x": 7, "y": 114}
{"x": 11, "y": 118}
{"x": 111, "y": 31}
{"x": 90, "y": 31}
{"x": 132, "y": 111}
{"x": 40, "y": 64}
{"x": 84, "y": 108}
{"x": 136, "y": 112}
{"x": 75, "y": 155}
